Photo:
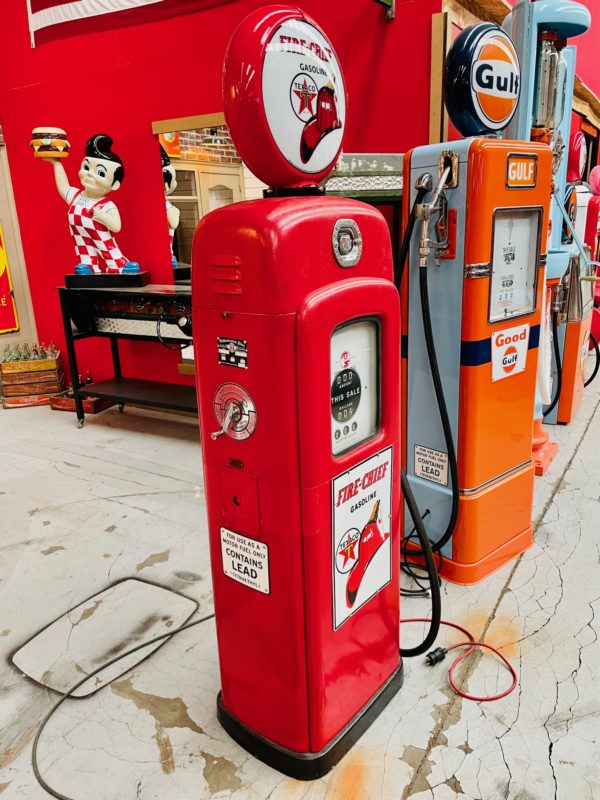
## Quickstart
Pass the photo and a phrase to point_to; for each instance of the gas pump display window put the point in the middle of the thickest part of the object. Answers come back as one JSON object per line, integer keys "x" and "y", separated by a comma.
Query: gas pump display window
{"x": 354, "y": 384}
{"x": 514, "y": 262}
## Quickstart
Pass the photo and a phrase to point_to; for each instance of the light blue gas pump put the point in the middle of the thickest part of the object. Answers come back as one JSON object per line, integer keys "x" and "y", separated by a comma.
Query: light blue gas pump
{"x": 540, "y": 30}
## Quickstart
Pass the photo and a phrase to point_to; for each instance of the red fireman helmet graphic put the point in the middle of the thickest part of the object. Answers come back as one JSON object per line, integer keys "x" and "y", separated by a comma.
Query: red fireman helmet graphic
{"x": 371, "y": 539}
{"x": 323, "y": 122}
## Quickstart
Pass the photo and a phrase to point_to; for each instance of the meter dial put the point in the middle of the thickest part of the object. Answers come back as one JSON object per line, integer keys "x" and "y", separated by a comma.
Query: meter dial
{"x": 235, "y": 411}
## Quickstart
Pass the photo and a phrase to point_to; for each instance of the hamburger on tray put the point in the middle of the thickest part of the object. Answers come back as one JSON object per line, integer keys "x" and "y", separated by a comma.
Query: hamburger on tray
{"x": 49, "y": 142}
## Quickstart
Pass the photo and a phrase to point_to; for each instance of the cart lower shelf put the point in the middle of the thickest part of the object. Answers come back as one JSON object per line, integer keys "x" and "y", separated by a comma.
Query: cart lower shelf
{"x": 149, "y": 393}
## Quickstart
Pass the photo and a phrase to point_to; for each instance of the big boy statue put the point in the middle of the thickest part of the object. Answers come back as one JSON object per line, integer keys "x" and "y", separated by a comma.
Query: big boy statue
{"x": 93, "y": 218}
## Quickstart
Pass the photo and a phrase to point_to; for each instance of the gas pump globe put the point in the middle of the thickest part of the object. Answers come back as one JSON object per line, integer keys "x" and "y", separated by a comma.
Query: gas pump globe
{"x": 296, "y": 326}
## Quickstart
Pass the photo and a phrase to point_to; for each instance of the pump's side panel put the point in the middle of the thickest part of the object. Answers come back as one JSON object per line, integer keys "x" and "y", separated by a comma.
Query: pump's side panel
{"x": 426, "y": 452}
{"x": 252, "y": 484}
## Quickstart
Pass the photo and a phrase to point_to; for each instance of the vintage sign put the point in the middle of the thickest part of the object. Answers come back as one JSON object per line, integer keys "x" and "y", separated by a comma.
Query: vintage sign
{"x": 303, "y": 95}
{"x": 361, "y": 534}
{"x": 430, "y": 464}
{"x": 509, "y": 352}
{"x": 245, "y": 560}
{"x": 521, "y": 171}
{"x": 9, "y": 320}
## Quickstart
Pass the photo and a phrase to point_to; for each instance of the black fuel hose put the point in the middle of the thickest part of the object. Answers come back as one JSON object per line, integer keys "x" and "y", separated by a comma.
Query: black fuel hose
{"x": 436, "y": 597}
{"x": 559, "y": 366}
{"x": 399, "y": 268}
{"x": 594, "y": 341}
{"x": 444, "y": 418}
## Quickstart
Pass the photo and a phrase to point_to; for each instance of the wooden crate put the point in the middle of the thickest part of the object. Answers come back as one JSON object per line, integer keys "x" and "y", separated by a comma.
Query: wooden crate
{"x": 33, "y": 380}
{"x": 91, "y": 405}
{"x": 26, "y": 401}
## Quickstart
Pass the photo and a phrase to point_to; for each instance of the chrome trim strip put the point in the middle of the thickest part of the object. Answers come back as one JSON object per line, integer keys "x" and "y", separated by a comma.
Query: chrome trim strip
{"x": 497, "y": 478}
{"x": 478, "y": 270}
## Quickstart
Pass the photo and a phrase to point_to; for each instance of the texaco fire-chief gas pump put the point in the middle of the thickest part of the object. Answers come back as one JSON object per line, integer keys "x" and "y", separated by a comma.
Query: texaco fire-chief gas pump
{"x": 472, "y": 296}
{"x": 541, "y": 31}
{"x": 297, "y": 335}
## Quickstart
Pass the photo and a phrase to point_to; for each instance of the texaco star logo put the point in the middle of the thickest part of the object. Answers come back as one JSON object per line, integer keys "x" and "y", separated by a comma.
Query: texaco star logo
{"x": 303, "y": 93}
{"x": 346, "y": 553}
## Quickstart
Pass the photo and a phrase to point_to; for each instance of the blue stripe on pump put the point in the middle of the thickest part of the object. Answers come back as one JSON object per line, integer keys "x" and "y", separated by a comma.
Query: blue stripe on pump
{"x": 473, "y": 354}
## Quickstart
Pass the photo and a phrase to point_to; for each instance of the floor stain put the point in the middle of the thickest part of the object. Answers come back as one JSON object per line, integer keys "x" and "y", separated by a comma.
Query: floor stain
{"x": 33, "y": 512}
{"x": 155, "y": 558}
{"x": 504, "y": 634}
{"x": 80, "y": 669}
{"x": 46, "y": 522}
{"x": 220, "y": 774}
{"x": 106, "y": 555}
{"x": 11, "y": 753}
{"x": 133, "y": 637}
{"x": 110, "y": 529}
{"x": 169, "y": 712}
{"x": 89, "y": 612}
{"x": 466, "y": 748}
{"x": 165, "y": 748}
{"x": 414, "y": 756}
{"x": 51, "y": 550}
{"x": 4, "y": 786}
{"x": 190, "y": 577}
{"x": 68, "y": 464}
{"x": 47, "y": 677}
{"x": 454, "y": 784}
{"x": 350, "y": 782}
{"x": 5, "y": 632}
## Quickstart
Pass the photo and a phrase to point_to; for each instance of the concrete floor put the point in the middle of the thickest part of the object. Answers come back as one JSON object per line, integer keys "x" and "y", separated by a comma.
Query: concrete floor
{"x": 123, "y": 498}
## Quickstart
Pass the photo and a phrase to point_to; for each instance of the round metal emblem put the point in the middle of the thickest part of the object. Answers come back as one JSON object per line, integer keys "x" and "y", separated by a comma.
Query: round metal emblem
{"x": 242, "y": 423}
{"x": 482, "y": 80}
{"x": 346, "y": 242}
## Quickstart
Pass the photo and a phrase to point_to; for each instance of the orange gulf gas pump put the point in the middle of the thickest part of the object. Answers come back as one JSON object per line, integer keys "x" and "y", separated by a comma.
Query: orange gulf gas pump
{"x": 471, "y": 302}
{"x": 297, "y": 335}
{"x": 573, "y": 300}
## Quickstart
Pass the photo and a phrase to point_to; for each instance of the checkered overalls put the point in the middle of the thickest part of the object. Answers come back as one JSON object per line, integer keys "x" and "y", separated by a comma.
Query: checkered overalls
{"x": 93, "y": 241}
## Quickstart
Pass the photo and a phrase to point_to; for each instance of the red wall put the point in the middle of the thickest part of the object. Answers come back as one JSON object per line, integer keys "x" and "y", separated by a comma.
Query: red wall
{"x": 119, "y": 82}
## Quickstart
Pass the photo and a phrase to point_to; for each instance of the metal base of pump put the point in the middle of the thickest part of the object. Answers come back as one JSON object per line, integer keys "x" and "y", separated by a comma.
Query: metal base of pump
{"x": 310, "y": 766}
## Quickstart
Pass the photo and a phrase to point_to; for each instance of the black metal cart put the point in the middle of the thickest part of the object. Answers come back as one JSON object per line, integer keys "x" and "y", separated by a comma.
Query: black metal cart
{"x": 152, "y": 313}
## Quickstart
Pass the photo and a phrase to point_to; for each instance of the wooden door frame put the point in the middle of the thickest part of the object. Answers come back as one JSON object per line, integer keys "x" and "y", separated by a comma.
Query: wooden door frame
{"x": 20, "y": 281}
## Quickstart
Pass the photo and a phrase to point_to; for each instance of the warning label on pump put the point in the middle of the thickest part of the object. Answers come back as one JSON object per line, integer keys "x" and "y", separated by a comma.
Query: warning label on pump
{"x": 431, "y": 464}
{"x": 362, "y": 524}
{"x": 245, "y": 560}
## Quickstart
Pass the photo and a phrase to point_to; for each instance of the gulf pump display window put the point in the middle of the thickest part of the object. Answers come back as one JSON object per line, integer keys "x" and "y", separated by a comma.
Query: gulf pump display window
{"x": 471, "y": 300}
{"x": 300, "y": 427}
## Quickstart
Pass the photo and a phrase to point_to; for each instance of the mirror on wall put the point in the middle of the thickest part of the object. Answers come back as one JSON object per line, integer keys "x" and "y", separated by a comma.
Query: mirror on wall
{"x": 202, "y": 171}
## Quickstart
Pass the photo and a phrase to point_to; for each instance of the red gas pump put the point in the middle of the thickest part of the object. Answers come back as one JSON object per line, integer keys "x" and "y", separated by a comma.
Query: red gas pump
{"x": 296, "y": 330}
